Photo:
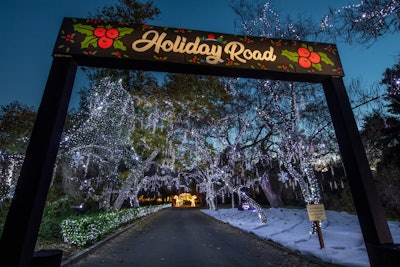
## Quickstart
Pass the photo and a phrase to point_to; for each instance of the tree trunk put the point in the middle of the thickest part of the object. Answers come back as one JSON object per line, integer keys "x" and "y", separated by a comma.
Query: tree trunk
{"x": 210, "y": 194}
{"x": 274, "y": 198}
{"x": 130, "y": 180}
{"x": 123, "y": 194}
{"x": 133, "y": 197}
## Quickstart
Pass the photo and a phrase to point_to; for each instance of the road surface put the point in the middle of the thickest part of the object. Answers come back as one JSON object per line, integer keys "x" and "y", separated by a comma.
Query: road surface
{"x": 187, "y": 237}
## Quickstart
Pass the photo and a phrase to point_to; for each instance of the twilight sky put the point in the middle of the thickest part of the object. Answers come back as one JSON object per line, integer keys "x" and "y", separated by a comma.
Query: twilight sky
{"x": 30, "y": 29}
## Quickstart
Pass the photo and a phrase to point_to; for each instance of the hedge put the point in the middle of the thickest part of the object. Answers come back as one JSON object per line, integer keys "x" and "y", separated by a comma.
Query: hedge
{"x": 86, "y": 230}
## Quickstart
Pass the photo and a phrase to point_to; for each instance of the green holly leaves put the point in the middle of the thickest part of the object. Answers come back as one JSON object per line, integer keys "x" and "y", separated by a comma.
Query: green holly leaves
{"x": 307, "y": 58}
{"x": 102, "y": 37}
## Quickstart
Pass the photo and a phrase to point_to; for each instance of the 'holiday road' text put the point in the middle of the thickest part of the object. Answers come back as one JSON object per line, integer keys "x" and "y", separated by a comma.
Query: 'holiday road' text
{"x": 210, "y": 48}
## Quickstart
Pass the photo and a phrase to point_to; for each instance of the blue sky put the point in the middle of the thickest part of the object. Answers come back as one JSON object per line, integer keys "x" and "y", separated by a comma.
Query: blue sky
{"x": 30, "y": 29}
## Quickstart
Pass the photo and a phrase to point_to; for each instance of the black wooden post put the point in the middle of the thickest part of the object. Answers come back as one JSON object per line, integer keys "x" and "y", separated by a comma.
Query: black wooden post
{"x": 24, "y": 217}
{"x": 369, "y": 207}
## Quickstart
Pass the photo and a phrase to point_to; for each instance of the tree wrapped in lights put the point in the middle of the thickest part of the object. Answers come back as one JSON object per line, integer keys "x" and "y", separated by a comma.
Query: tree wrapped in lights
{"x": 255, "y": 163}
{"x": 294, "y": 153}
{"x": 237, "y": 188}
{"x": 365, "y": 22}
{"x": 10, "y": 166}
{"x": 291, "y": 147}
{"x": 226, "y": 176}
{"x": 207, "y": 183}
{"x": 114, "y": 137}
{"x": 16, "y": 123}
{"x": 94, "y": 149}
{"x": 133, "y": 183}
{"x": 214, "y": 171}
{"x": 228, "y": 167}
{"x": 197, "y": 161}
{"x": 161, "y": 182}
{"x": 188, "y": 127}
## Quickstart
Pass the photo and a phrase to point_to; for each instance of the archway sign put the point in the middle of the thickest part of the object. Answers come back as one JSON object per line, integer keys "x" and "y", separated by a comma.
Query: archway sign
{"x": 95, "y": 43}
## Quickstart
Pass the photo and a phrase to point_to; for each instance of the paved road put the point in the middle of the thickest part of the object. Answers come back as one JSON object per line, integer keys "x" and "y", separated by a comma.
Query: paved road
{"x": 187, "y": 237}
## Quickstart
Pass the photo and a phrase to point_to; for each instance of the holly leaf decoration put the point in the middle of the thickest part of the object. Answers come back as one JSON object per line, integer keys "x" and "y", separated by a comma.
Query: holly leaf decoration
{"x": 325, "y": 58}
{"x": 89, "y": 40}
{"x": 221, "y": 39}
{"x": 84, "y": 29}
{"x": 119, "y": 45}
{"x": 317, "y": 66}
{"x": 124, "y": 31}
{"x": 292, "y": 56}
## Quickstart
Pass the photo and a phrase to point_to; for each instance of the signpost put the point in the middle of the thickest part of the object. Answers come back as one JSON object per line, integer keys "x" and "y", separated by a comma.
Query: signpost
{"x": 97, "y": 43}
{"x": 316, "y": 213}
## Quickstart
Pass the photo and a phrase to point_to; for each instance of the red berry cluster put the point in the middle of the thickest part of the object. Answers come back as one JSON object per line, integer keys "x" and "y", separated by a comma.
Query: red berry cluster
{"x": 69, "y": 38}
{"x": 307, "y": 58}
{"x": 106, "y": 36}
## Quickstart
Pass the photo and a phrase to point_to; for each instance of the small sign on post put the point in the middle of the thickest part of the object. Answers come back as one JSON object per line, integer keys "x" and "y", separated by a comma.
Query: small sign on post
{"x": 316, "y": 213}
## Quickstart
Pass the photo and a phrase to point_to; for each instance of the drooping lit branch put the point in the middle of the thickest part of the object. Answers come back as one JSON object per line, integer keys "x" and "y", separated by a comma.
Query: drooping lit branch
{"x": 363, "y": 23}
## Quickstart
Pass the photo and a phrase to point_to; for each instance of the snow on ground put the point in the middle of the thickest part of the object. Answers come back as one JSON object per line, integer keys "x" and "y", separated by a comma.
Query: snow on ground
{"x": 290, "y": 228}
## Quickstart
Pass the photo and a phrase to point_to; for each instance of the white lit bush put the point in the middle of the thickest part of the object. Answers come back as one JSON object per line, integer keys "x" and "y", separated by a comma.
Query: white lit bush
{"x": 85, "y": 230}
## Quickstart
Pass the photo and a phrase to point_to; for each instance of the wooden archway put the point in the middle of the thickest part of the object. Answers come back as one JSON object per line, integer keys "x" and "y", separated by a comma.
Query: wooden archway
{"x": 96, "y": 43}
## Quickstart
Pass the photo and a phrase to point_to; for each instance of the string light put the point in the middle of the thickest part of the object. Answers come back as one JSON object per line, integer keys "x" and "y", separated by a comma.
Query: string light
{"x": 293, "y": 150}
{"x": 366, "y": 20}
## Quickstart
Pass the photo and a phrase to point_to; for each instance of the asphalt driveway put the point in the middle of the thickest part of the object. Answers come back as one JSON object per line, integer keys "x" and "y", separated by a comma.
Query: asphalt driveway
{"x": 187, "y": 237}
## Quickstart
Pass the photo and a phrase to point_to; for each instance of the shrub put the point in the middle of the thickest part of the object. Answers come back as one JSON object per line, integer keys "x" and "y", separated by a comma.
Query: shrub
{"x": 86, "y": 230}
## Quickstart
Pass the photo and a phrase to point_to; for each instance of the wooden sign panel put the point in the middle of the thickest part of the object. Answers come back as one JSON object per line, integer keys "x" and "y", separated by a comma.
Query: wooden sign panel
{"x": 106, "y": 44}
